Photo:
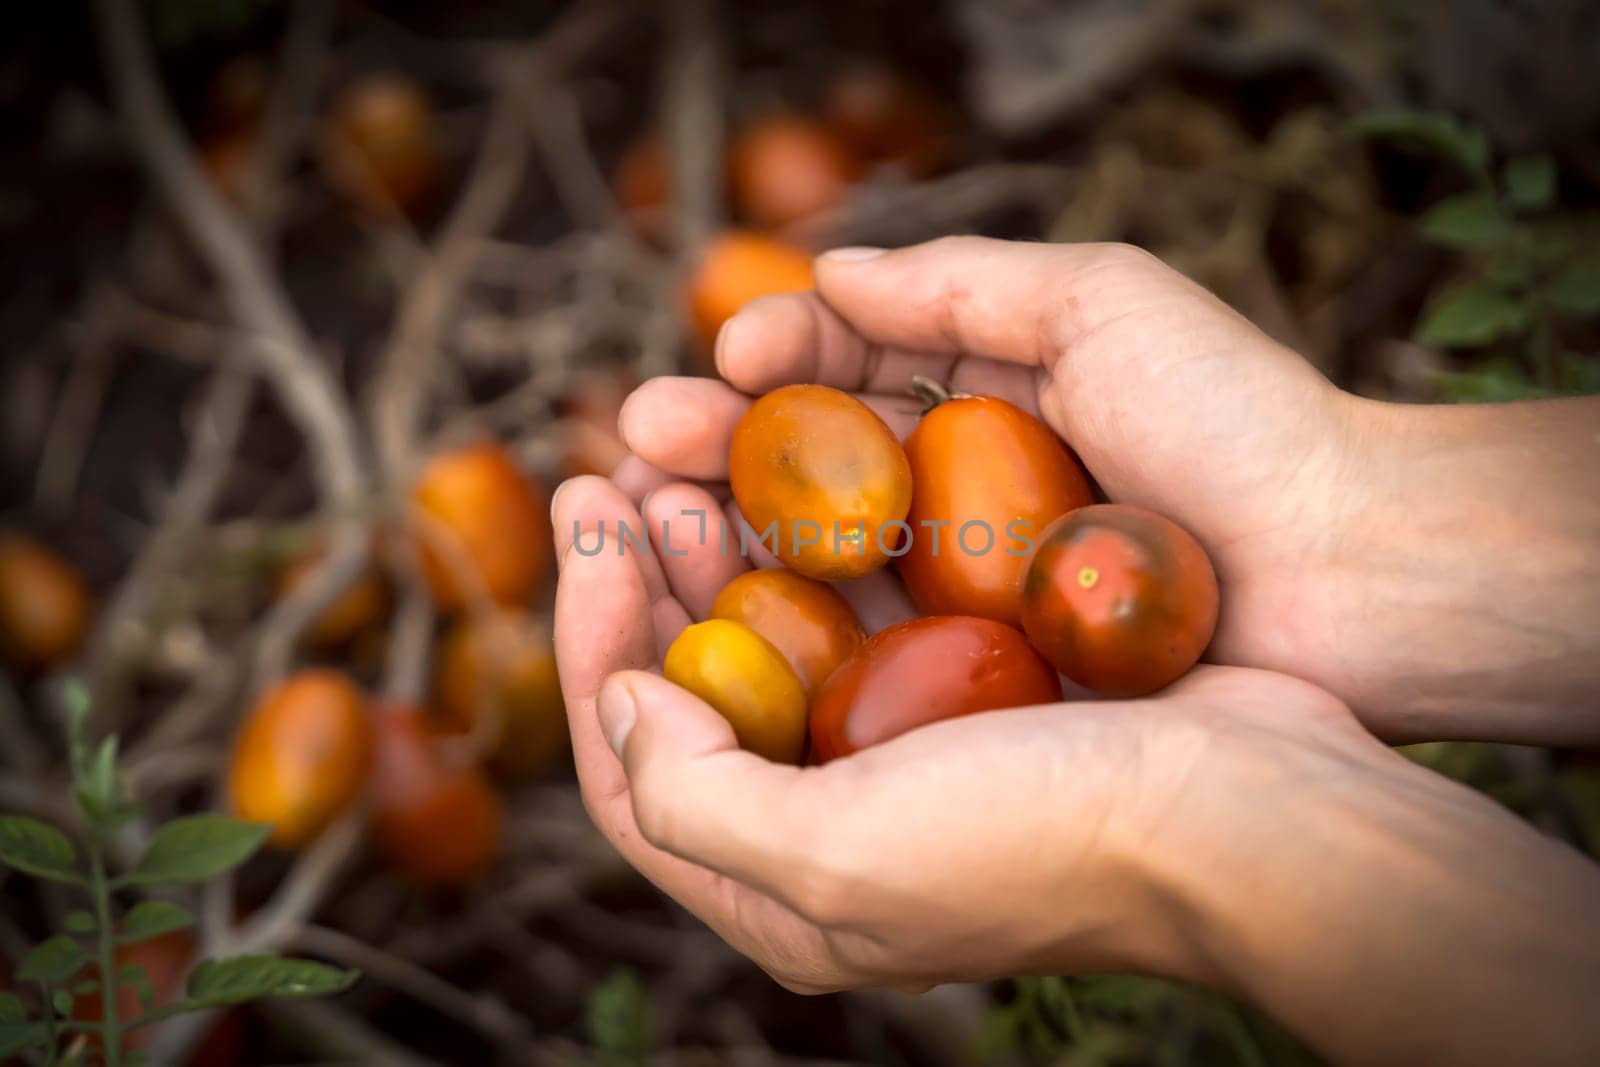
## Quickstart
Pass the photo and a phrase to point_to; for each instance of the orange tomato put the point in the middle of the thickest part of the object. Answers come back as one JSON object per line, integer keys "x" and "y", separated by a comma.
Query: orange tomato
{"x": 504, "y": 665}
{"x": 482, "y": 522}
{"x": 987, "y": 478}
{"x": 44, "y": 604}
{"x": 739, "y": 673}
{"x": 807, "y": 621}
{"x": 302, "y": 756}
{"x": 736, "y": 268}
{"x": 923, "y": 671}
{"x": 822, "y": 472}
{"x": 784, "y": 168}
{"x": 1120, "y": 599}
{"x": 436, "y": 821}
{"x": 362, "y": 604}
{"x": 380, "y": 146}
{"x": 889, "y": 119}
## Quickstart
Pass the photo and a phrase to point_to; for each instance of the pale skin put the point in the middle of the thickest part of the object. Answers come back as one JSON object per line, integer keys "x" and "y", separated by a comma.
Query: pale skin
{"x": 1408, "y": 572}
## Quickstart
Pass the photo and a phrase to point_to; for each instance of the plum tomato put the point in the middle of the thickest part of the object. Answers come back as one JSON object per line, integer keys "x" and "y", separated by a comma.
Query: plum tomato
{"x": 1123, "y": 601}
{"x": 381, "y": 147}
{"x": 737, "y": 267}
{"x": 889, "y": 119}
{"x": 818, "y": 471}
{"x": 922, "y": 671}
{"x": 808, "y": 621}
{"x": 785, "y": 168}
{"x": 45, "y": 607}
{"x": 739, "y": 673}
{"x": 987, "y": 478}
{"x": 435, "y": 819}
{"x": 361, "y": 605}
{"x": 502, "y": 663}
{"x": 302, "y": 756}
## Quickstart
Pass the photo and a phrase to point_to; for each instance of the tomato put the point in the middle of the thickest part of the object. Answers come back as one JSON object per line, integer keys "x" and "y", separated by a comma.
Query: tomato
{"x": 484, "y": 526}
{"x": 227, "y": 159}
{"x": 380, "y": 146}
{"x": 806, "y": 620}
{"x": 302, "y": 756}
{"x": 362, "y": 604}
{"x": 435, "y": 819}
{"x": 165, "y": 959}
{"x": 922, "y": 671}
{"x": 784, "y": 168}
{"x": 504, "y": 665}
{"x": 994, "y": 477}
{"x": 44, "y": 604}
{"x": 829, "y": 480}
{"x": 741, "y": 674}
{"x": 736, "y": 268}
{"x": 643, "y": 187}
{"x": 1120, "y": 599}
{"x": 889, "y": 119}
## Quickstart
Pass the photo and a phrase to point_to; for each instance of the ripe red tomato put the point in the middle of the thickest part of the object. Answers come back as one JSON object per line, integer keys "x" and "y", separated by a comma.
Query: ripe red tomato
{"x": 889, "y": 119}
{"x": 1120, "y": 599}
{"x": 922, "y": 671}
{"x": 825, "y": 475}
{"x": 785, "y": 168}
{"x": 987, "y": 478}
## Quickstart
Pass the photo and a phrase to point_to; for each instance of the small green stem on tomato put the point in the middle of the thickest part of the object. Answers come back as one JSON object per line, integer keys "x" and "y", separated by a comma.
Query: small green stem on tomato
{"x": 108, "y": 970}
{"x": 932, "y": 393}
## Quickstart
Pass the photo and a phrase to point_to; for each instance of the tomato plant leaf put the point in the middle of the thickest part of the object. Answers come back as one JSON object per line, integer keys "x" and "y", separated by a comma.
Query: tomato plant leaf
{"x": 63, "y": 1002}
{"x": 79, "y": 922}
{"x": 1530, "y": 182}
{"x": 150, "y": 918}
{"x": 1576, "y": 287}
{"x": 16, "y": 1036}
{"x": 11, "y": 1010}
{"x": 1471, "y": 220}
{"x": 197, "y": 847}
{"x": 54, "y": 960}
{"x": 1466, "y": 146}
{"x": 617, "y": 1015}
{"x": 1472, "y": 314}
{"x": 246, "y": 978}
{"x": 34, "y": 848}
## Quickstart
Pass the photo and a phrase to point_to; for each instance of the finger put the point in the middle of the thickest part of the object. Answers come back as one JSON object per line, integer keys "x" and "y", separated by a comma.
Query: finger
{"x": 1004, "y": 300}
{"x": 796, "y": 337}
{"x": 682, "y": 425}
{"x": 699, "y": 551}
{"x": 638, "y": 479}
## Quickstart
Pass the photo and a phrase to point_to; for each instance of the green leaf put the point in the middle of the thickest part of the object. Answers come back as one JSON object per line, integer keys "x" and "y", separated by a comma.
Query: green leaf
{"x": 246, "y": 978}
{"x": 79, "y": 922}
{"x": 85, "y": 987}
{"x": 54, "y": 960}
{"x": 34, "y": 848}
{"x": 1466, "y": 146}
{"x": 1576, "y": 288}
{"x": 1491, "y": 382}
{"x": 64, "y": 1003}
{"x": 617, "y": 1015}
{"x": 1471, "y": 220}
{"x": 1530, "y": 182}
{"x": 150, "y": 918}
{"x": 11, "y": 1009}
{"x": 134, "y": 974}
{"x": 1472, "y": 314}
{"x": 197, "y": 847}
{"x": 16, "y": 1036}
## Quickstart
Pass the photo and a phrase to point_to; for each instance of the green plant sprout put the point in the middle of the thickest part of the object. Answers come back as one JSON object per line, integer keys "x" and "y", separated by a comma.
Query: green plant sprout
{"x": 189, "y": 849}
{"x": 1527, "y": 276}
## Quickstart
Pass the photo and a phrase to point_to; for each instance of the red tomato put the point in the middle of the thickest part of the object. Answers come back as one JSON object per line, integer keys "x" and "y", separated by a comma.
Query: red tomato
{"x": 986, "y": 479}
{"x": 921, "y": 671}
{"x": 786, "y": 168}
{"x": 1120, "y": 599}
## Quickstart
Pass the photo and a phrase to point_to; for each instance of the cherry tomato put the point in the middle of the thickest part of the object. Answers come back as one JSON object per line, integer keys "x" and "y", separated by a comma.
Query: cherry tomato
{"x": 435, "y": 819}
{"x": 1122, "y": 600}
{"x": 987, "y": 478}
{"x": 503, "y": 665}
{"x": 483, "y": 523}
{"x": 889, "y": 119}
{"x": 922, "y": 671}
{"x": 44, "y": 604}
{"x": 302, "y": 756}
{"x": 740, "y": 673}
{"x": 381, "y": 147}
{"x": 736, "y": 268}
{"x": 362, "y": 604}
{"x": 784, "y": 168}
{"x": 817, "y": 471}
{"x": 808, "y": 621}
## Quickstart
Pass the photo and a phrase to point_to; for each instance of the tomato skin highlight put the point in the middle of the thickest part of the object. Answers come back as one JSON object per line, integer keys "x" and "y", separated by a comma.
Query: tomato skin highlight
{"x": 814, "y": 627}
{"x": 1123, "y": 601}
{"x": 982, "y": 460}
{"x": 805, "y": 458}
{"x": 747, "y": 680}
{"x": 923, "y": 671}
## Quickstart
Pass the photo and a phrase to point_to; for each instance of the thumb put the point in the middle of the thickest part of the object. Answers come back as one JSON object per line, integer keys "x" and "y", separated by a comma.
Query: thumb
{"x": 1008, "y": 300}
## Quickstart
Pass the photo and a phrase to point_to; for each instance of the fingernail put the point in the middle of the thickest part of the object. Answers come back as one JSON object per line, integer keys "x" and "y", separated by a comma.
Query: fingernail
{"x": 854, "y": 254}
{"x": 617, "y": 713}
{"x": 721, "y": 345}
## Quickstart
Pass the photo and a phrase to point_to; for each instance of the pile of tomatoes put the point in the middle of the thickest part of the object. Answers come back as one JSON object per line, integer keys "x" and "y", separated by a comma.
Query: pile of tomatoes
{"x": 992, "y": 526}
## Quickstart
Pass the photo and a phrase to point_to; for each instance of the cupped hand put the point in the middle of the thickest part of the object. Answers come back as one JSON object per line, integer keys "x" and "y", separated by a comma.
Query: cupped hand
{"x": 1050, "y": 839}
{"x": 1172, "y": 400}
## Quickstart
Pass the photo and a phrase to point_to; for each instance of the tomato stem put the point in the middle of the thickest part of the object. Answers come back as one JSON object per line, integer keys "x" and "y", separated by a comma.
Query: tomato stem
{"x": 932, "y": 393}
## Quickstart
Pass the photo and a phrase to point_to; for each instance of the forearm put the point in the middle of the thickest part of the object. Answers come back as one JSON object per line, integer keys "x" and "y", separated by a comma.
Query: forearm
{"x": 1473, "y": 570}
{"x": 1407, "y": 920}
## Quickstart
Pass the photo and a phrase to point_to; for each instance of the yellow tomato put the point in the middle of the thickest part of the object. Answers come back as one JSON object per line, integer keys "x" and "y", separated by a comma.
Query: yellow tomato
{"x": 740, "y": 673}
